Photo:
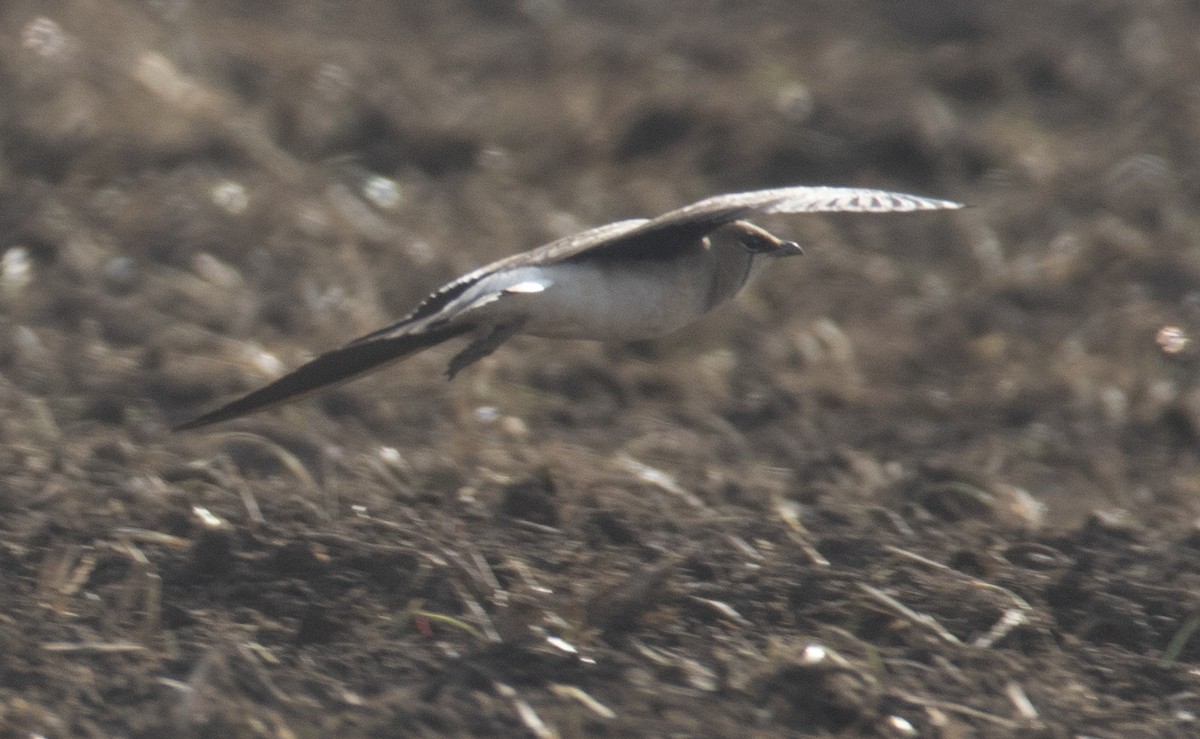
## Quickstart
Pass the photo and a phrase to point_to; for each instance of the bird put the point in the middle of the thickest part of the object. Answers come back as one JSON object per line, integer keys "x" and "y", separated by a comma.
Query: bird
{"x": 630, "y": 280}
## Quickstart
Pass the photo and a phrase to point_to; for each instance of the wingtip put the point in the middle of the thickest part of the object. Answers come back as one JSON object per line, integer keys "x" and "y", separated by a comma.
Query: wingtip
{"x": 189, "y": 426}
{"x": 324, "y": 372}
{"x": 259, "y": 400}
{"x": 207, "y": 419}
{"x": 921, "y": 202}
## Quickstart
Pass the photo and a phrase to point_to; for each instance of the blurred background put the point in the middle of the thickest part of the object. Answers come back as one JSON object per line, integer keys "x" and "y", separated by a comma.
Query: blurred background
{"x": 196, "y": 197}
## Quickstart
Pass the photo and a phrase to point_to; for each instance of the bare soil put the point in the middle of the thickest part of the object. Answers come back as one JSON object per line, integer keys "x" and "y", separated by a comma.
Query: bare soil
{"x": 939, "y": 477}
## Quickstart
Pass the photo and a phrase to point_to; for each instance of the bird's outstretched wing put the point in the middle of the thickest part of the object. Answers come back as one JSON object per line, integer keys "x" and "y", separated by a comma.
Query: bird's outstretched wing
{"x": 804, "y": 199}
{"x": 326, "y": 371}
{"x": 660, "y": 237}
{"x": 444, "y": 295}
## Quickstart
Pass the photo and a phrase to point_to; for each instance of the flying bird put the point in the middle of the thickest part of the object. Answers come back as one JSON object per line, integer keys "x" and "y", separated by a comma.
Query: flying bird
{"x": 629, "y": 280}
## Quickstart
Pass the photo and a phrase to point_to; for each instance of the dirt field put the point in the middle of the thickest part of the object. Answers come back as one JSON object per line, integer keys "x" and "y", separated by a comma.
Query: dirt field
{"x": 939, "y": 477}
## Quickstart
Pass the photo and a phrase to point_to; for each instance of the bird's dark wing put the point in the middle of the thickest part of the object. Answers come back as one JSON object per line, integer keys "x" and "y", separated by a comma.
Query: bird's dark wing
{"x": 804, "y": 199}
{"x": 555, "y": 251}
{"x": 661, "y": 237}
{"x": 327, "y": 370}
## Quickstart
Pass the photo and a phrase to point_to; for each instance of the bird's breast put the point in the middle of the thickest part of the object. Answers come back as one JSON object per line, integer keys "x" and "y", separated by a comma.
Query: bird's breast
{"x": 617, "y": 301}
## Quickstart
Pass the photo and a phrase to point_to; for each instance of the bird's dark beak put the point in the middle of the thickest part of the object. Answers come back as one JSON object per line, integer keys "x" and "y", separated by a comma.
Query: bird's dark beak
{"x": 789, "y": 249}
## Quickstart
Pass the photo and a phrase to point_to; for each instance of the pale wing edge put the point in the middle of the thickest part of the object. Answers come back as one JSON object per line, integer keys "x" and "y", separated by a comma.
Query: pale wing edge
{"x": 814, "y": 199}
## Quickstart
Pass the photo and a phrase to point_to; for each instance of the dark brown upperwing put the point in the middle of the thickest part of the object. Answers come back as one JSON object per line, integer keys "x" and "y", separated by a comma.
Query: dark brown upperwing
{"x": 555, "y": 251}
{"x": 664, "y": 237}
{"x": 327, "y": 370}
{"x": 660, "y": 238}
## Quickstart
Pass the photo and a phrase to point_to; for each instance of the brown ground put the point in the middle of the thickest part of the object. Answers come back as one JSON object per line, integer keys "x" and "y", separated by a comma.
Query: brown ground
{"x": 937, "y": 474}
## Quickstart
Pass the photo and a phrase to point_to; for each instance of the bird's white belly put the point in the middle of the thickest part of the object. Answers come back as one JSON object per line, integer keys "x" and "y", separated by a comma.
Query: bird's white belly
{"x": 585, "y": 302}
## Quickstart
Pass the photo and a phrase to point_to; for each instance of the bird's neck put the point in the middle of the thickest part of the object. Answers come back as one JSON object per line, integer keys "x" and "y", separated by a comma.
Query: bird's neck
{"x": 731, "y": 268}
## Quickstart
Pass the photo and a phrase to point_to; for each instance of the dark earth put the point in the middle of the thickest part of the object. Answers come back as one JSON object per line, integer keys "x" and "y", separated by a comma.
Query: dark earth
{"x": 940, "y": 477}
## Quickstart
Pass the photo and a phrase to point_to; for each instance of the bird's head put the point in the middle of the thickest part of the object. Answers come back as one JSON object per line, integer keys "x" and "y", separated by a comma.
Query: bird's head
{"x": 743, "y": 252}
